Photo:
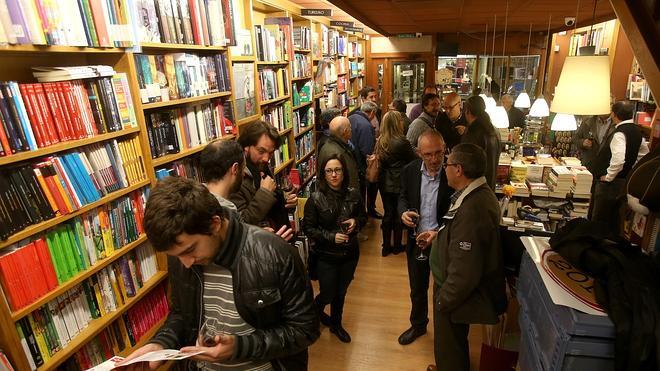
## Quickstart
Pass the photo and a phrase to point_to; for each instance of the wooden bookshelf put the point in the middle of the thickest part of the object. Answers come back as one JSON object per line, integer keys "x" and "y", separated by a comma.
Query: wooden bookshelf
{"x": 302, "y": 105}
{"x": 276, "y": 100}
{"x": 64, "y": 146}
{"x": 160, "y": 161}
{"x": 80, "y": 277}
{"x": 171, "y": 47}
{"x": 144, "y": 339}
{"x": 247, "y": 120}
{"x": 283, "y": 166}
{"x": 306, "y": 156}
{"x": 285, "y": 131}
{"x": 301, "y": 133}
{"x": 36, "y": 228}
{"x": 305, "y": 51}
{"x": 243, "y": 58}
{"x": 176, "y": 102}
{"x": 271, "y": 63}
{"x": 301, "y": 78}
{"x": 29, "y": 48}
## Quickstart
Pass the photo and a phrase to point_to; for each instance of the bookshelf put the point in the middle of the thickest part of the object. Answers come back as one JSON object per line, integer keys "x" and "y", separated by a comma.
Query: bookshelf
{"x": 232, "y": 96}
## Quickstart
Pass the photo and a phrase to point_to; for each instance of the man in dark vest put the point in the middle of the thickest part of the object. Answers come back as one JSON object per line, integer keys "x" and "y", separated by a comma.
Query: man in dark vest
{"x": 613, "y": 163}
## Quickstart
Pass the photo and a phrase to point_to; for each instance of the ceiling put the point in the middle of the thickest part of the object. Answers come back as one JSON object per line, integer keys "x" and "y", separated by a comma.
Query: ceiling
{"x": 390, "y": 17}
{"x": 337, "y": 13}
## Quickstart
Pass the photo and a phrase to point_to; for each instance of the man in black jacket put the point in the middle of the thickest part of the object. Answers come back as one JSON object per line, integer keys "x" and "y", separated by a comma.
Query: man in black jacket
{"x": 215, "y": 261}
{"x": 424, "y": 188}
{"x": 480, "y": 131}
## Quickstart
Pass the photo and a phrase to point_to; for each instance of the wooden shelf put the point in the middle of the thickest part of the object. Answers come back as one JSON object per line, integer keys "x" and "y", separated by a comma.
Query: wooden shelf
{"x": 29, "y": 48}
{"x": 64, "y": 146}
{"x": 144, "y": 339}
{"x": 66, "y": 286}
{"x": 243, "y": 58}
{"x": 176, "y": 102}
{"x": 319, "y": 95}
{"x": 308, "y": 179}
{"x": 166, "y": 46}
{"x": 302, "y": 105}
{"x": 283, "y": 166}
{"x": 303, "y": 132}
{"x": 267, "y": 102}
{"x": 160, "y": 161}
{"x": 343, "y": 109}
{"x": 353, "y": 77}
{"x": 298, "y": 162}
{"x": 97, "y": 325}
{"x": 341, "y": 92}
{"x": 296, "y": 50}
{"x": 36, "y": 228}
{"x": 301, "y": 78}
{"x": 248, "y": 119}
{"x": 284, "y": 132}
{"x": 341, "y": 73}
{"x": 273, "y": 63}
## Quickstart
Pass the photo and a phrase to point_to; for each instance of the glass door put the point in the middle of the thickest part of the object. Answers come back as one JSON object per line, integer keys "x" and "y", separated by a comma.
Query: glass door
{"x": 408, "y": 81}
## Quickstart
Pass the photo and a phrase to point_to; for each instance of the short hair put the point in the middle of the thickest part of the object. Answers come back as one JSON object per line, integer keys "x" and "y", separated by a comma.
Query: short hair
{"x": 179, "y": 205}
{"x": 475, "y": 105}
{"x": 471, "y": 158}
{"x": 323, "y": 183}
{"x": 368, "y": 107}
{"x": 426, "y": 98}
{"x": 623, "y": 110}
{"x": 399, "y": 105}
{"x": 506, "y": 97}
{"x": 365, "y": 91}
{"x": 430, "y": 133}
{"x": 327, "y": 115}
{"x": 250, "y": 134}
{"x": 431, "y": 86}
{"x": 218, "y": 157}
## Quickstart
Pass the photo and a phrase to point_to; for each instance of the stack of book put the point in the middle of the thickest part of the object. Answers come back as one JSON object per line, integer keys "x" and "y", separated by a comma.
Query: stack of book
{"x": 273, "y": 40}
{"x": 579, "y": 209}
{"x": 341, "y": 84}
{"x": 304, "y": 145}
{"x": 560, "y": 181}
{"x": 355, "y": 50}
{"x": 302, "y": 37}
{"x": 538, "y": 189}
{"x": 535, "y": 173}
{"x": 279, "y": 116}
{"x": 307, "y": 167}
{"x": 520, "y": 189}
{"x": 518, "y": 173}
{"x": 545, "y": 159}
{"x": 570, "y": 161}
{"x": 301, "y": 66}
{"x": 273, "y": 83}
{"x": 281, "y": 154}
{"x": 583, "y": 180}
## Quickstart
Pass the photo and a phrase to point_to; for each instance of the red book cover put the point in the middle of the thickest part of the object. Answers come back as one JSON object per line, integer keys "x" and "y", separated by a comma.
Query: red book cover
{"x": 73, "y": 110}
{"x": 45, "y": 170}
{"x": 228, "y": 16}
{"x": 64, "y": 108}
{"x": 36, "y": 282}
{"x": 46, "y": 263}
{"x": 99, "y": 23}
{"x": 81, "y": 95}
{"x": 42, "y": 123}
{"x": 4, "y": 141}
{"x": 49, "y": 122}
{"x": 7, "y": 278}
{"x": 57, "y": 112}
{"x": 32, "y": 116}
{"x": 19, "y": 264}
{"x": 194, "y": 17}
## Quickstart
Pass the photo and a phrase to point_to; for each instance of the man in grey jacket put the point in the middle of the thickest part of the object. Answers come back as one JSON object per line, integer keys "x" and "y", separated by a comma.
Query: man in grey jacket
{"x": 466, "y": 260}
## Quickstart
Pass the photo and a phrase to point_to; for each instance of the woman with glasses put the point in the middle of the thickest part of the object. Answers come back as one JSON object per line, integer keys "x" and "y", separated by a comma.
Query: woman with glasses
{"x": 394, "y": 152}
{"x": 333, "y": 216}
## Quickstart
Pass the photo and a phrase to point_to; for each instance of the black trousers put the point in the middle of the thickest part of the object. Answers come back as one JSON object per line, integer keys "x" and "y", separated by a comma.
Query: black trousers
{"x": 372, "y": 194}
{"x": 419, "y": 272}
{"x": 608, "y": 199}
{"x": 334, "y": 279}
{"x": 391, "y": 220}
{"x": 450, "y": 340}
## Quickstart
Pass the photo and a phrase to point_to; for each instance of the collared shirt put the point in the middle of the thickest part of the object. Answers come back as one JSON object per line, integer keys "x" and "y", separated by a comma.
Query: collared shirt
{"x": 618, "y": 149}
{"x": 428, "y": 202}
{"x": 455, "y": 196}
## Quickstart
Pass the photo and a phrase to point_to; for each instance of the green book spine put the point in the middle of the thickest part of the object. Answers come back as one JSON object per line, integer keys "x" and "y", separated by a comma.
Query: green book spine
{"x": 87, "y": 10}
{"x": 62, "y": 240}
{"x": 79, "y": 234}
{"x": 73, "y": 250}
{"x": 56, "y": 257}
{"x": 91, "y": 300}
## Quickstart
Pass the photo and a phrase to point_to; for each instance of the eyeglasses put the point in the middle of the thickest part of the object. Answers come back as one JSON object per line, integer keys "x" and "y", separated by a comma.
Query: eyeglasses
{"x": 447, "y": 108}
{"x": 337, "y": 171}
{"x": 446, "y": 165}
{"x": 430, "y": 156}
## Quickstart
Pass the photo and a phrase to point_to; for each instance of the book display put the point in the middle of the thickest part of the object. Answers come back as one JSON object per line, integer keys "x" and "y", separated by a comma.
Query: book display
{"x": 97, "y": 103}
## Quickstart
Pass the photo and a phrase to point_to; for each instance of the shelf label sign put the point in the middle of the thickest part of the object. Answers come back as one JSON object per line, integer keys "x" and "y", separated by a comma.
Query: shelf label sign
{"x": 316, "y": 12}
{"x": 341, "y": 23}
{"x": 406, "y": 36}
{"x": 354, "y": 29}
{"x": 407, "y": 73}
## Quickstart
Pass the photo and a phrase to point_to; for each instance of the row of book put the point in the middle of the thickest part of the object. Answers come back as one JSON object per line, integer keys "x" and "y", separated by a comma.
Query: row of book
{"x": 302, "y": 119}
{"x": 341, "y": 65}
{"x": 301, "y": 66}
{"x": 50, "y": 328}
{"x": 68, "y": 249}
{"x": 172, "y": 131}
{"x": 274, "y": 39}
{"x": 355, "y": 49}
{"x": 307, "y": 168}
{"x": 279, "y": 116}
{"x": 42, "y": 114}
{"x": 273, "y": 83}
{"x": 302, "y": 95}
{"x": 181, "y": 75}
{"x": 356, "y": 68}
{"x": 342, "y": 84}
{"x": 281, "y": 154}
{"x": 332, "y": 42}
{"x": 186, "y": 168}
{"x": 302, "y": 37}
{"x": 304, "y": 145}
{"x": 59, "y": 185}
{"x": 186, "y": 22}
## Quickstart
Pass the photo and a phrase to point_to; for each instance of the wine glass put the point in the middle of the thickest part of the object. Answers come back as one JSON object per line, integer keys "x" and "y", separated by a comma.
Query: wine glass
{"x": 343, "y": 219}
{"x": 415, "y": 220}
{"x": 420, "y": 252}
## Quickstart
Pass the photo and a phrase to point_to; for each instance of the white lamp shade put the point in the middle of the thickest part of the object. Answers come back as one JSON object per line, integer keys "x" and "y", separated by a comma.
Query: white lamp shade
{"x": 522, "y": 101}
{"x": 490, "y": 103}
{"x": 483, "y": 96}
{"x": 563, "y": 122}
{"x": 539, "y": 108}
{"x": 583, "y": 87}
{"x": 498, "y": 117}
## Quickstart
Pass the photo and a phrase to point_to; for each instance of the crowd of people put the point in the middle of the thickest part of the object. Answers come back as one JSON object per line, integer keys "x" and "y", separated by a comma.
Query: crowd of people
{"x": 243, "y": 296}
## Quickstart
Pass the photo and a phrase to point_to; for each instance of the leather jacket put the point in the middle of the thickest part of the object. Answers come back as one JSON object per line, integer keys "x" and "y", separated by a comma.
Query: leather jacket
{"x": 399, "y": 154}
{"x": 271, "y": 292}
{"x": 482, "y": 133}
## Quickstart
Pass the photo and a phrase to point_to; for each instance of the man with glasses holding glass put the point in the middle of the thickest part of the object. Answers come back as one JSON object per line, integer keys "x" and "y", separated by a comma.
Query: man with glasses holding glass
{"x": 451, "y": 122}
{"x": 466, "y": 259}
{"x": 423, "y": 200}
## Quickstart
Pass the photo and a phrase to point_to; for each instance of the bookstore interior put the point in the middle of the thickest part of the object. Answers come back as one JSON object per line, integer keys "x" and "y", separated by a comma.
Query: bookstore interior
{"x": 100, "y": 100}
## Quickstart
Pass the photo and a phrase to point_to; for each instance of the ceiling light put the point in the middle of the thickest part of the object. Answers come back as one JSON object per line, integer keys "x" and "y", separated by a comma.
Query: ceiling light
{"x": 522, "y": 101}
{"x": 563, "y": 122}
{"x": 539, "y": 108}
{"x": 498, "y": 117}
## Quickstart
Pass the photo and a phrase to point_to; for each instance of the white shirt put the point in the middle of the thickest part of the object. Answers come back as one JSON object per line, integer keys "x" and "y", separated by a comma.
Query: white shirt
{"x": 618, "y": 149}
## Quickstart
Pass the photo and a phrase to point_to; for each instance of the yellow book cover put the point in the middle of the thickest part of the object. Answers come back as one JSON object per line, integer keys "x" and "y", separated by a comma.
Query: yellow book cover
{"x": 38, "y": 332}
{"x": 127, "y": 161}
{"x": 170, "y": 74}
{"x": 120, "y": 281}
{"x": 99, "y": 297}
{"x": 106, "y": 231}
{"x": 115, "y": 286}
{"x": 134, "y": 145}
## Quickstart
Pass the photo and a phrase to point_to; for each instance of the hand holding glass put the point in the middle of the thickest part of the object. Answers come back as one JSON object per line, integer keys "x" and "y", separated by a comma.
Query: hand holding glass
{"x": 423, "y": 240}
{"x": 414, "y": 219}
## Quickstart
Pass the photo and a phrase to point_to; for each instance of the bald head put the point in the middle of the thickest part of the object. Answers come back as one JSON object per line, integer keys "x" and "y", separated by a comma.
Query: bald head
{"x": 431, "y": 148}
{"x": 341, "y": 127}
{"x": 507, "y": 101}
{"x": 452, "y": 106}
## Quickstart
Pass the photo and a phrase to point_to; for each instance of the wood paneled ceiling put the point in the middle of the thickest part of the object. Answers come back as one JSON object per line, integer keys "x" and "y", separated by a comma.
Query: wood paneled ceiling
{"x": 390, "y": 17}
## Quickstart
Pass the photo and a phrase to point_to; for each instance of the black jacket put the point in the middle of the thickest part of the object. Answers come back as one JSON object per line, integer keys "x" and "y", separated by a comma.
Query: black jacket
{"x": 411, "y": 183}
{"x": 448, "y": 129}
{"x": 322, "y": 214}
{"x": 271, "y": 293}
{"x": 398, "y": 154}
{"x": 482, "y": 133}
{"x": 331, "y": 145}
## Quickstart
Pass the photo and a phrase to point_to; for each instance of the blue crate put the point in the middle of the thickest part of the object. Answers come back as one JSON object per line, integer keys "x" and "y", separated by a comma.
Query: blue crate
{"x": 528, "y": 358}
{"x": 569, "y": 339}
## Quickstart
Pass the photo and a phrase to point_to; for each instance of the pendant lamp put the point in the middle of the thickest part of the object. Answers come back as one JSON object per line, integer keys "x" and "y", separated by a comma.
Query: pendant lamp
{"x": 564, "y": 122}
{"x": 584, "y": 86}
{"x": 539, "y": 108}
{"x": 523, "y": 99}
{"x": 498, "y": 117}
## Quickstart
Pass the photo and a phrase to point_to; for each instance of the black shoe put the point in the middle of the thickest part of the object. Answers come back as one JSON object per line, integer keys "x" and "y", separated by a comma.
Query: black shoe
{"x": 375, "y": 214}
{"x": 341, "y": 334}
{"x": 386, "y": 251}
{"x": 397, "y": 250}
{"x": 410, "y": 335}
{"x": 325, "y": 319}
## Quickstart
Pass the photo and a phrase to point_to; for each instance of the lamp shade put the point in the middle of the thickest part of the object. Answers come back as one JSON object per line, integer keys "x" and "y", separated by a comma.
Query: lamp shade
{"x": 563, "y": 122}
{"x": 539, "y": 108}
{"x": 498, "y": 117}
{"x": 522, "y": 101}
{"x": 490, "y": 103}
{"x": 584, "y": 86}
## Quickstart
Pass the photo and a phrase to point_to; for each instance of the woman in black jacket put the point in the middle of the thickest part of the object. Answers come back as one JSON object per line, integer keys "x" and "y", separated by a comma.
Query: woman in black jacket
{"x": 394, "y": 152}
{"x": 480, "y": 131}
{"x": 333, "y": 216}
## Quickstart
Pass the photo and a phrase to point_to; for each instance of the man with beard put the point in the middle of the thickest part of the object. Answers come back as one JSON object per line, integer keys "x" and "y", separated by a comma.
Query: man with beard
{"x": 258, "y": 199}
{"x": 431, "y": 106}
